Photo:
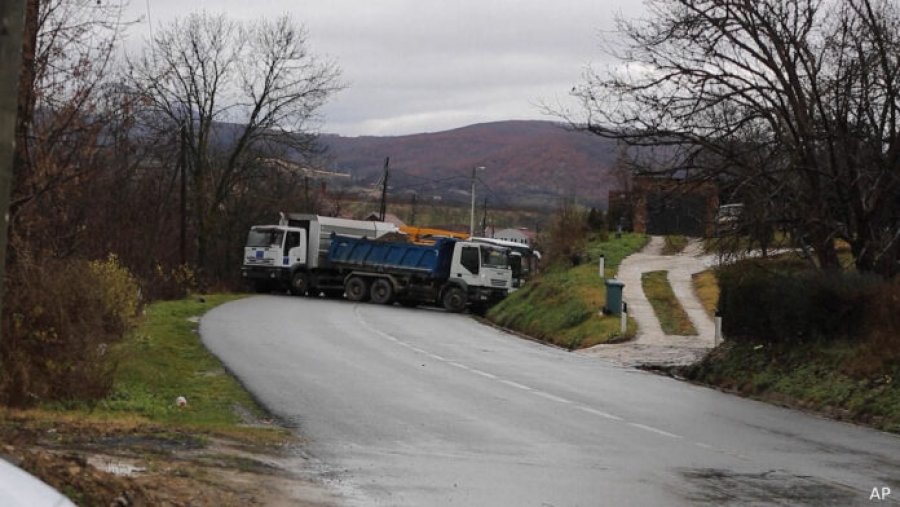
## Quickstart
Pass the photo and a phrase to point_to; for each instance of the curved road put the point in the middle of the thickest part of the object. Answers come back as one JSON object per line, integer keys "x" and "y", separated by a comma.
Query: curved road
{"x": 419, "y": 407}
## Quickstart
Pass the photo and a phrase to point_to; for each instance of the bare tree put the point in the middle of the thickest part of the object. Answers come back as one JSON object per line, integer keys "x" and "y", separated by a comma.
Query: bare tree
{"x": 63, "y": 109}
{"x": 790, "y": 103}
{"x": 238, "y": 91}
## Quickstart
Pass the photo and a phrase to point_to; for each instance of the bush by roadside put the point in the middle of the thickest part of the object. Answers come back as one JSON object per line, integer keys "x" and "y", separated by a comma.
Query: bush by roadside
{"x": 61, "y": 319}
{"x": 823, "y": 342}
{"x": 786, "y": 301}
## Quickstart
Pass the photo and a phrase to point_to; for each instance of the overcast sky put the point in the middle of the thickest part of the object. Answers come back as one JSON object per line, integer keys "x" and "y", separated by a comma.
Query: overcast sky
{"x": 429, "y": 65}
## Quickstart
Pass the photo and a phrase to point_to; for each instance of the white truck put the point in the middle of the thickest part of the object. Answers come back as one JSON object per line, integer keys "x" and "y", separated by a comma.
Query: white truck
{"x": 282, "y": 256}
{"x": 310, "y": 254}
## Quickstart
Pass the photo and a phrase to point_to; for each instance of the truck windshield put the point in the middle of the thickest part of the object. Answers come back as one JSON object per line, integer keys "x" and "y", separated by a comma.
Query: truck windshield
{"x": 264, "y": 237}
{"x": 493, "y": 257}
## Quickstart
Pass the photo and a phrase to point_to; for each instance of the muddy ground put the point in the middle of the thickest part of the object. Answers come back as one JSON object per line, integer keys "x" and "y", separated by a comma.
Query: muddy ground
{"x": 115, "y": 464}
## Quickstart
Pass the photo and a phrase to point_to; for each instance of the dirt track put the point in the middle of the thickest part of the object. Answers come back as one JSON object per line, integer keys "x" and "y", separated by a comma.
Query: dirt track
{"x": 652, "y": 346}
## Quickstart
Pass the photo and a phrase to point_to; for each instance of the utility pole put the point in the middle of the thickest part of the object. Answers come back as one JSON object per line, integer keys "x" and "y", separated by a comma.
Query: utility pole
{"x": 306, "y": 194}
{"x": 484, "y": 219}
{"x": 12, "y": 21}
{"x": 412, "y": 219}
{"x": 387, "y": 162}
{"x": 472, "y": 213}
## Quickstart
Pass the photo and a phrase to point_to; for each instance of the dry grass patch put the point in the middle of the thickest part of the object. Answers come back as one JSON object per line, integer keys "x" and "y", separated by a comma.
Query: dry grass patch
{"x": 706, "y": 286}
{"x": 674, "y": 244}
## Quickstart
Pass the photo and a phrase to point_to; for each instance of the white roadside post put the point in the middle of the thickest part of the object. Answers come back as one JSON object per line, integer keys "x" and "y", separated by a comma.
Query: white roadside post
{"x": 624, "y": 321}
{"x": 602, "y": 267}
{"x": 718, "y": 338}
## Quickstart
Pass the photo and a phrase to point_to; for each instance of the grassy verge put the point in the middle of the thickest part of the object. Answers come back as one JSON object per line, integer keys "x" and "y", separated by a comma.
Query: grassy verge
{"x": 674, "y": 244}
{"x": 165, "y": 359}
{"x": 834, "y": 378}
{"x": 707, "y": 289}
{"x": 561, "y": 306}
{"x": 218, "y": 450}
{"x": 672, "y": 317}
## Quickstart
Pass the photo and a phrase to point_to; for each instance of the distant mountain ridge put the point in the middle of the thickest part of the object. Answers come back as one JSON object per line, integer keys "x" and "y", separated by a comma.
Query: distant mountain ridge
{"x": 527, "y": 163}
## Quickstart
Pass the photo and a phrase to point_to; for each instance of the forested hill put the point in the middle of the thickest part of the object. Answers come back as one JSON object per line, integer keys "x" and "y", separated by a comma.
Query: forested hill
{"x": 526, "y": 162}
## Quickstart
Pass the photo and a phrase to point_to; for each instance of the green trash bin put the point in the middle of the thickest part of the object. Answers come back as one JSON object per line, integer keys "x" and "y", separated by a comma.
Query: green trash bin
{"x": 614, "y": 290}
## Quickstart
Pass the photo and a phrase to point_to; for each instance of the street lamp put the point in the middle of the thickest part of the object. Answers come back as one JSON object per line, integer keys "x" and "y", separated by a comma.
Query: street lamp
{"x": 472, "y": 215}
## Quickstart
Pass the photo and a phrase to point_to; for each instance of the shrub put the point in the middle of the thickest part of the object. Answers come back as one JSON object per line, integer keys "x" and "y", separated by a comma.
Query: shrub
{"x": 786, "y": 302}
{"x": 566, "y": 237}
{"x": 170, "y": 283}
{"x": 118, "y": 294}
{"x": 59, "y": 319}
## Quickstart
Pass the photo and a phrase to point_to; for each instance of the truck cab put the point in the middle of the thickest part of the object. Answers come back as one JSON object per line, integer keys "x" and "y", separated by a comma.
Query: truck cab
{"x": 271, "y": 254}
{"x": 483, "y": 271}
{"x": 481, "y": 265}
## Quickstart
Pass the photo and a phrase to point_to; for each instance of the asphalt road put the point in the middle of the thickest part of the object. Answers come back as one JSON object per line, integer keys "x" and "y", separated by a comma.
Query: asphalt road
{"x": 419, "y": 407}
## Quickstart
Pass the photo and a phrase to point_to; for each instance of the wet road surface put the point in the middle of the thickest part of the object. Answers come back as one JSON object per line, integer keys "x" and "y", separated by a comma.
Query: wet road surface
{"x": 419, "y": 407}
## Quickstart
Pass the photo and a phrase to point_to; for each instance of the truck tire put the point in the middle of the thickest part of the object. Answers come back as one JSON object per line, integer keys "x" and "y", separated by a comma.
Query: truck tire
{"x": 382, "y": 292}
{"x": 454, "y": 299}
{"x": 299, "y": 284}
{"x": 356, "y": 289}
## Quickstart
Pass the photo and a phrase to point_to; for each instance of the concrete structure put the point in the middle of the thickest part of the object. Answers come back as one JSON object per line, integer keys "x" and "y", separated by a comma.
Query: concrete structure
{"x": 665, "y": 206}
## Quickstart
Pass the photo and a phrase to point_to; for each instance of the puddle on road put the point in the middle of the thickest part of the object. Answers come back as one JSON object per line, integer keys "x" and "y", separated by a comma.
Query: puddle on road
{"x": 724, "y": 487}
{"x": 115, "y": 466}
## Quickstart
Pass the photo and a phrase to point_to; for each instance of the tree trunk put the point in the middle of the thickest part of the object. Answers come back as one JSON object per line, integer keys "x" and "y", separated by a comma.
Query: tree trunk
{"x": 10, "y": 66}
{"x": 826, "y": 253}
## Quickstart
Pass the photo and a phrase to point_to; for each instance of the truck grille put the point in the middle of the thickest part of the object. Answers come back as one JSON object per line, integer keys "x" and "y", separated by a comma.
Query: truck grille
{"x": 498, "y": 282}
{"x": 252, "y": 261}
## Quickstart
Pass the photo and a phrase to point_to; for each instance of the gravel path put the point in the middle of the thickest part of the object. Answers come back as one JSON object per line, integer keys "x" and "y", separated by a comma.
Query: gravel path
{"x": 651, "y": 345}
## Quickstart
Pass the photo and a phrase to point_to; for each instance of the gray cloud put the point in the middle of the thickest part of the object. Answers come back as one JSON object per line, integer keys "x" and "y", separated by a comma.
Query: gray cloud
{"x": 427, "y": 65}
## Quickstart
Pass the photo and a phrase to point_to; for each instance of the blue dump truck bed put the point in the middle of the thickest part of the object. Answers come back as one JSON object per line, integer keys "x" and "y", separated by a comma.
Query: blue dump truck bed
{"x": 429, "y": 261}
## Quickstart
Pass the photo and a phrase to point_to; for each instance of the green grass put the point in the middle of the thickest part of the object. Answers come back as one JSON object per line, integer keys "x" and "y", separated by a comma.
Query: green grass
{"x": 845, "y": 379}
{"x": 672, "y": 317}
{"x": 562, "y": 305}
{"x": 674, "y": 244}
{"x": 163, "y": 359}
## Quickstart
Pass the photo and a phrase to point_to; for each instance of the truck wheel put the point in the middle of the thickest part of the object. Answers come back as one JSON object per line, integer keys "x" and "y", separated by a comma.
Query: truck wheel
{"x": 299, "y": 284}
{"x": 356, "y": 289}
{"x": 382, "y": 292}
{"x": 454, "y": 300}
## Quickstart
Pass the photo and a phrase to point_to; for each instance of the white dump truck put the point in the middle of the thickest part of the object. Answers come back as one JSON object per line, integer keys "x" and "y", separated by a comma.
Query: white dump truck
{"x": 319, "y": 255}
